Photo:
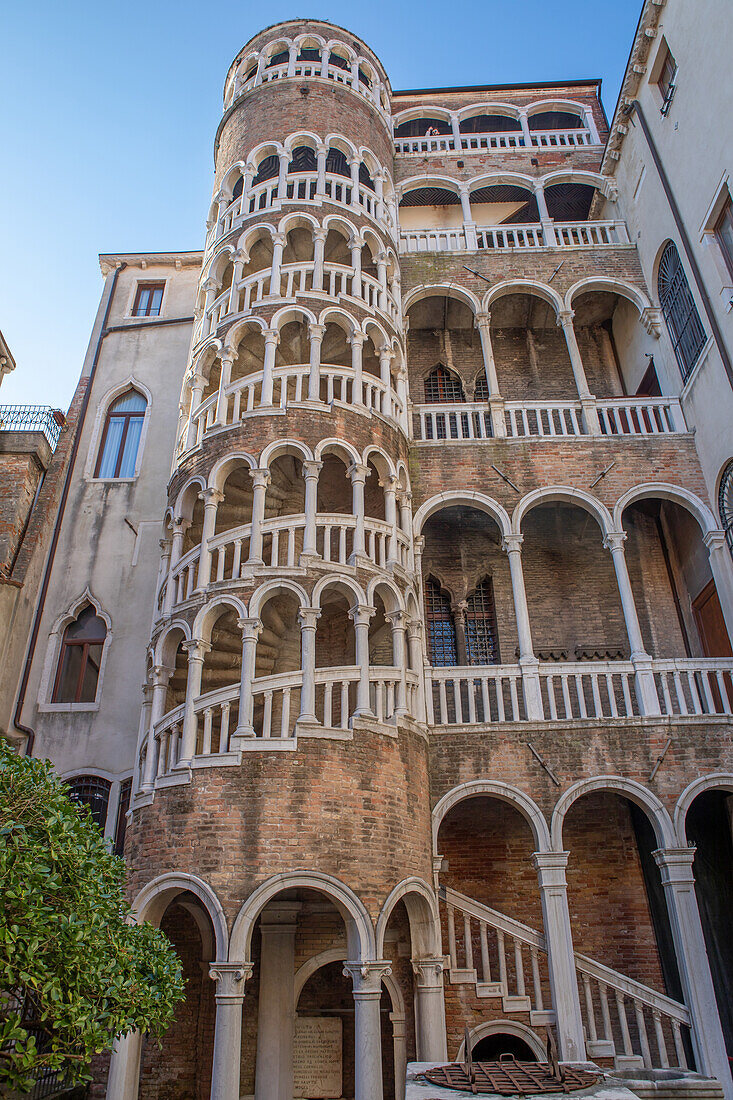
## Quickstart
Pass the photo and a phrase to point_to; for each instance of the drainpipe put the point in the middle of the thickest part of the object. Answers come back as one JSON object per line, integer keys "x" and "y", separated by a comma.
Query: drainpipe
{"x": 712, "y": 319}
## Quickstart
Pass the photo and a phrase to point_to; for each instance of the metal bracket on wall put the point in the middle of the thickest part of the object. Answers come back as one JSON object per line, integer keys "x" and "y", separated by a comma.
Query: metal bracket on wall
{"x": 543, "y": 763}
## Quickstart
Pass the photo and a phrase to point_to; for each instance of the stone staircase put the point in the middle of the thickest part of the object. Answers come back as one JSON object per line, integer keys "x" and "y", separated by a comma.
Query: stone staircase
{"x": 503, "y": 959}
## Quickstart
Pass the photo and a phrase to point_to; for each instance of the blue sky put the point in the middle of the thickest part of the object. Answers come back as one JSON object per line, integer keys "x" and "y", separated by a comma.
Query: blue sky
{"x": 109, "y": 113}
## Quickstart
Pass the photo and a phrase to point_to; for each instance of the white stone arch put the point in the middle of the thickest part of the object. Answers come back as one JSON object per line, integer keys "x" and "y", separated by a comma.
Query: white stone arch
{"x": 373, "y": 243}
{"x": 154, "y": 898}
{"x": 369, "y": 160}
{"x": 382, "y": 339}
{"x": 645, "y": 799}
{"x": 292, "y": 313}
{"x": 237, "y": 332}
{"x": 270, "y": 589}
{"x": 309, "y": 36}
{"x": 442, "y": 290}
{"x": 131, "y": 382}
{"x": 251, "y": 234}
{"x": 335, "y": 315}
{"x": 381, "y": 461}
{"x": 307, "y": 138}
{"x": 716, "y": 781}
{"x": 344, "y": 584}
{"x": 218, "y": 263}
{"x": 221, "y": 470}
{"x": 422, "y": 911}
{"x": 263, "y": 150}
{"x": 494, "y": 179}
{"x": 507, "y": 110}
{"x": 212, "y": 611}
{"x": 297, "y": 220}
{"x": 186, "y": 497}
{"x": 339, "y": 223}
{"x": 53, "y": 652}
{"x": 359, "y": 930}
{"x": 567, "y": 106}
{"x": 342, "y": 144}
{"x": 603, "y": 184}
{"x": 624, "y": 289}
{"x": 230, "y": 178}
{"x": 666, "y": 491}
{"x": 505, "y": 792}
{"x": 161, "y": 652}
{"x": 280, "y": 447}
{"x": 428, "y": 179}
{"x": 341, "y": 448}
{"x": 395, "y": 601}
{"x": 278, "y": 45}
{"x": 504, "y": 1027}
{"x": 532, "y": 287}
{"x": 429, "y": 111}
{"x": 403, "y": 474}
{"x": 310, "y": 966}
{"x": 202, "y": 360}
{"x": 565, "y": 494}
{"x": 336, "y": 45}
{"x": 468, "y": 498}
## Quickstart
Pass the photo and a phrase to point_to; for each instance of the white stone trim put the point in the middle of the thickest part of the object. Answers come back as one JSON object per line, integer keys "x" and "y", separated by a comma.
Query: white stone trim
{"x": 53, "y": 652}
{"x": 716, "y": 781}
{"x": 131, "y": 382}
{"x": 505, "y": 792}
{"x": 627, "y": 788}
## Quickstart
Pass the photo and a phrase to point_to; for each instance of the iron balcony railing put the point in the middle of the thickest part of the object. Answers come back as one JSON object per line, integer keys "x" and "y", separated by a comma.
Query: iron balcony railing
{"x": 33, "y": 418}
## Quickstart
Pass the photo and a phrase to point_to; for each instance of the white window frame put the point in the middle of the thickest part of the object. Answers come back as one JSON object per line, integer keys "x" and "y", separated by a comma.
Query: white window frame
{"x": 131, "y": 382}
{"x": 53, "y": 652}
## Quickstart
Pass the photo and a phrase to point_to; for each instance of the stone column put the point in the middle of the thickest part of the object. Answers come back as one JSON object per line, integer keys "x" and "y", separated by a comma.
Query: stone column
{"x": 250, "y": 171}
{"x": 367, "y": 985}
{"x": 282, "y": 175}
{"x": 212, "y": 499}
{"x": 198, "y": 384}
{"x": 430, "y": 1010}
{"x": 455, "y": 126}
{"x": 550, "y": 867}
{"x": 315, "y": 335}
{"x": 276, "y": 1011}
{"x": 397, "y": 620}
{"x": 180, "y": 526}
{"x": 469, "y": 226}
{"x": 361, "y": 616}
{"x": 354, "y": 164}
{"x": 548, "y": 226}
{"x": 272, "y": 339}
{"x": 292, "y": 55}
{"x": 722, "y": 570}
{"x": 399, "y": 1048}
{"x": 308, "y": 617}
{"x": 123, "y": 1080}
{"x": 382, "y": 276}
{"x": 355, "y": 73}
{"x": 356, "y": 340}
{"x": 414, "y": 634}
{"x": 260, "y": 66}
{"x": 386, "y": 355}
{"x": 512, "y": 544}
{"x": 319, "y": 246}
{"x": 230, "y": 978}
{"x": 278, "y": 246}
{"x": 389, "y": 485}
{"x": 355, "y": 247}
{"x": 321, "y": 154}
{"x": 526, "y": 132}
{"x": 161, "y": 675}
{"x": 251, "y": 629}
{"x": 210, "y": 288}
{"x": 197, "y": 650}
{"x": 379, "y": 192}
{"x": 587, "y": 400}
{"x": 311, "y": 471}
{"x": 239, "y": 259}
{"x": 260, "y": 481}
{"x": 675, "y": 865}
{"x": 496, "y": 402}
{"x": 646, "y": 691}
{"x": 227, "y": 361}
{"x": 358, "y": 475}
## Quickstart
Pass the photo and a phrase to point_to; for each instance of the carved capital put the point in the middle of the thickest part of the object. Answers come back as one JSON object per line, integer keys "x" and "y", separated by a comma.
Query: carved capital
{"x": 311, "y": 469}
{"x": 316, "y": 332}
{"x": 565, "y": 317}
{"x": 361, "y": 614}
{"x": 230, "y": 979}
{"x": 357, "y": 472}
{"x": 308, "y": 617}
{"x": 196, "y": 649}
{"x": 366, "y": 977}
{"x": 614, "y": 540}
{"x": 512, "y": 543}
{"x": 651, "y": 319}
{"x": 260, "y": 478}
{"x": 272, "y": 336}
{"x": 211, "y": 496}
{"x": 428, "y": 972}
{"x": 250, "y": 628}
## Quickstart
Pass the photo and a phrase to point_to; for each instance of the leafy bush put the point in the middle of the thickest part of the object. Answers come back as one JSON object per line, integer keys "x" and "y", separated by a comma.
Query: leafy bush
{"x": 70, "y": 963}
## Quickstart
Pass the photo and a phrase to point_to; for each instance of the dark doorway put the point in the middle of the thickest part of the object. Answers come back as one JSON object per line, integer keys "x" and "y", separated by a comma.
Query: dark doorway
{"x": 491, "y": 1047}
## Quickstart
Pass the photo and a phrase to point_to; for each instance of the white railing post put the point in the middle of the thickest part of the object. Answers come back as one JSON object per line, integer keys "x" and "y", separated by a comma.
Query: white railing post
{"x": 272, "y": 339}
{"x": 315, "y": 334}
{"x": 675, "y": 865}
{"x": 550, "y": 867}
{"x": 319, "y": 245}
{"x": 646, "y": 691}
{"x": 512, "y": 545}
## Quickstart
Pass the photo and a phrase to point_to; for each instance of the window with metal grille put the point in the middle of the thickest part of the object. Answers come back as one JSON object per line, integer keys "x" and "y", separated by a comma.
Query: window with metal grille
{"x": 679, "y": 309}
{"x": 148, "y": 299}
{"x": 94, "y": 793}
{"x": 81, "y": 654}
{"x": 303, "y": 160}
{"x": 481, "y": 392}
{"x": 123, "y": 427}
{"x": 482, "y": 643}
{"x": 725, "y": 504}
{"x": 440, "y": 625}
{"x": 121, "y": 824}
{"x": 268, "y": 169}
{"x": 442, "y": 387}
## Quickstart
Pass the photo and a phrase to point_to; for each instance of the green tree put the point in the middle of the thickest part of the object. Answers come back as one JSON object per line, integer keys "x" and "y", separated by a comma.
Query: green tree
{"x": 69, "y": 959}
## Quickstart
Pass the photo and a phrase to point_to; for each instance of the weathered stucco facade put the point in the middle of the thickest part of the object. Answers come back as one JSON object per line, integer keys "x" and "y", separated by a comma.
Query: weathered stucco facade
{"x": 389, "y": 503}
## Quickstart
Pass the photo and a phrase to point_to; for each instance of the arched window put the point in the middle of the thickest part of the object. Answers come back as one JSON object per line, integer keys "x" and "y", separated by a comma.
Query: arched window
{"x": 337, "y": 164}
{"x": 442, "y": 387}
{"x": 77, "y": 675}
{"x": 238, "y": 188}
{"x": 679, "y": 309}
{"x": 123, "y": 426}
{"x": 482, "y": 643}
{"x": 268, "y": 169}
{"x": 481, "y": 391}
{"x": 94, "y": 793}
{"x": 725, "y": 503}
{"x": 440, "y": 625}
{"x": 122, "y": 808}
{"x": 303, "y": 160}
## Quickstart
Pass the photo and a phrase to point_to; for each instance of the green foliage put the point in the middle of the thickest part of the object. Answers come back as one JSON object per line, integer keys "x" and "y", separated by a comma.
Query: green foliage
{"x": 65, "y": 943}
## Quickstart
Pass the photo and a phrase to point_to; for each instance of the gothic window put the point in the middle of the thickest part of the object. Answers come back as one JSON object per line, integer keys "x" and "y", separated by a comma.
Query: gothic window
{"x": 123, "y": 426}
{"x": 679, "y": 309}
{"x": 77, "y": 675}
{"x": 442, "y": 387}
{"x": 440, "y": 625}
{"x": 482, "y": 644}
{"x": 122, "y": 808}
{"x": 481, "y": 392}
{"x": 725, "y": 503}
{"x": 92, "y": 792}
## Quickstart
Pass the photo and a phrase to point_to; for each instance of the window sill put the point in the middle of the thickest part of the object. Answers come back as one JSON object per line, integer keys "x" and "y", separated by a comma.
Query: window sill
{"x": 112, "y": 480}
{"x": 67, "y": 708}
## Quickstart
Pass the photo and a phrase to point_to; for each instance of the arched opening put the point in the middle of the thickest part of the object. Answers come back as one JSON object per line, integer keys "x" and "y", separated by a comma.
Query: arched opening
{"x": 490, "y": 124}
{"x": 374, "y": 505}
{"x": 121, "y": 434}
{"x": 617, "y": 356}
{"x": 194, "y": 529}
{"x": 80, "y": 658}
{"x": 235, "y": 510}
{"x": 419, "y": 127}
{"x": 381, "y": 650}
{"x": 337, "y": 163}
{"x": 294, "y": 346}
{"x": 298, "y": 245}
{"x": 180, "y": 1063}
{"x": 504, "y": 204}
{"x": 267, "y": 169}
{"x": 335, "y": 352}
{"x": 250, "y": 353}
{"x": 302, "y": 159}
{"x": 708, "y": 827}
{"x": 222, "y": 669}
{"x": 487, "y": 846}
{"x": 430, "y": 208}
{"x": 336, "y": 248}
{"x": 335, "y": 649}
{"x": 260, "y": 254}
{"x": 175, "y": 658}
{"x": 569, "y": 202}
{"x": 285, "y": 496}
{"x": 443, "y": 356}
{"x": 555, "y": 120}
{"x": 491, "y": 1048}
{"x": 531, "y": 355}
{"x": 278, "y": 652}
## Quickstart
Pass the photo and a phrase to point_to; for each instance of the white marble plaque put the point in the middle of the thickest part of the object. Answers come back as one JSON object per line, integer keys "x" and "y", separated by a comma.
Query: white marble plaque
{"x": 317, "y": 1058}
